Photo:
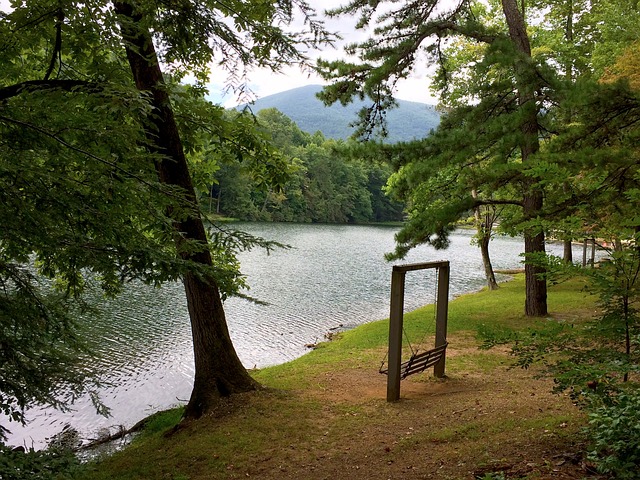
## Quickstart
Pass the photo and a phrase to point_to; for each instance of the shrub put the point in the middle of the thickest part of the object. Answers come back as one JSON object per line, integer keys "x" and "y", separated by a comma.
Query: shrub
{"x": 615, "y": 430}
{"x": 51, "y": 464}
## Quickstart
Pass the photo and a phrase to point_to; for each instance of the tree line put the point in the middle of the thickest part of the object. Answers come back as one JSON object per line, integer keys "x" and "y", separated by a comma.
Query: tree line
{"x": 324, "y": 184}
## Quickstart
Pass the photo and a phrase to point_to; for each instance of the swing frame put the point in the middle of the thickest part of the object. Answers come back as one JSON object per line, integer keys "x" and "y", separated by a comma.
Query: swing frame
{"x": 396, "y": 313}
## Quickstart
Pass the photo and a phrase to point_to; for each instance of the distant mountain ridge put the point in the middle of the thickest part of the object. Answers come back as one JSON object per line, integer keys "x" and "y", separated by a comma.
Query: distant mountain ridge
{"x": 409, "y": 121}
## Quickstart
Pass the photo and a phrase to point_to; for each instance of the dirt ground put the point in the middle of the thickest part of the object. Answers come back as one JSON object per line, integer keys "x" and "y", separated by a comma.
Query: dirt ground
{"x": 499, "y": 424}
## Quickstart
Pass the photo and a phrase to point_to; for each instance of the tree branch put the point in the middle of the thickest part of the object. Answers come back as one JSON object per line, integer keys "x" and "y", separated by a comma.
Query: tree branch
{"x": 478, "y": 202}
{"x": 87, "y": 154}
{"x": 57, "y": 48}
{"x": 446, "y": 26}
{"x": 35, "y": 85}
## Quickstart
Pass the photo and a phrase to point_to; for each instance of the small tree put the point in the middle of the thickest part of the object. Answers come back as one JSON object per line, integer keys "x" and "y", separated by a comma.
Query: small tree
{"x": 485, "y": 218}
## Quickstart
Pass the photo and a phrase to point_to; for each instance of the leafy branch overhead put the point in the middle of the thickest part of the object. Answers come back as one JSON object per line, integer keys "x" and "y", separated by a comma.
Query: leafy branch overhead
{"x": 93, "y": 144}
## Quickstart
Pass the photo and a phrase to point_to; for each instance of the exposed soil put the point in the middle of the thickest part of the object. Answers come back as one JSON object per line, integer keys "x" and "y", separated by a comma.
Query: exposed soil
{"x": 501, "y": 424}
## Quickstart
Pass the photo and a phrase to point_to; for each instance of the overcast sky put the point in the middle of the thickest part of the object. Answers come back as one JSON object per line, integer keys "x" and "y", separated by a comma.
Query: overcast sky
{"x": 265, "y": 82}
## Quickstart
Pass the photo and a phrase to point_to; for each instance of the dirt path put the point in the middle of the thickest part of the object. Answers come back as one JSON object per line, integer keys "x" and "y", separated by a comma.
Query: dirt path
{"x": 500, "y": 424}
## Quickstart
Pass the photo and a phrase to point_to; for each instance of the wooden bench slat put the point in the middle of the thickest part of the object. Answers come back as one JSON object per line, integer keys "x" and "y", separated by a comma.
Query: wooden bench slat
{"x": 420, "y": 361}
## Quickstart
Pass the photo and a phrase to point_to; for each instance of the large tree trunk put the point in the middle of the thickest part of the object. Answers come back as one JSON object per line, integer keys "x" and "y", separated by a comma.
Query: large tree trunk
{"x": 218, "y": 370}
{"x": 536, "y": 286}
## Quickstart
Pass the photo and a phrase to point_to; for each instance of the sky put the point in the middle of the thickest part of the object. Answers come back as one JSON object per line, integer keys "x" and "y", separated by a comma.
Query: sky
{"x": 264, "y": 82}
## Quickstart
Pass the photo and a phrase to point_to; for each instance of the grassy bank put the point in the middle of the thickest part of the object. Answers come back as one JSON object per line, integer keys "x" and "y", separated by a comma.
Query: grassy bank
{"x": 325, "y": 415}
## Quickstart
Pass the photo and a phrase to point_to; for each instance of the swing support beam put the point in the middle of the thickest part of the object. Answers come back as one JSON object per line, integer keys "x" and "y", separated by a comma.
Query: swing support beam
{"x": 396, "y": 313}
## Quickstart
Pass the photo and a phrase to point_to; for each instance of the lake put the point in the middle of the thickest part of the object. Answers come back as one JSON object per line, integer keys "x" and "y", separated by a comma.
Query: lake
{"x": 334, "y": 276}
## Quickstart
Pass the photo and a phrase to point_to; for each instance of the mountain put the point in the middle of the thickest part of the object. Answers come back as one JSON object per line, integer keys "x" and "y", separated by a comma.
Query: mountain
{"x": 410, "y": 120}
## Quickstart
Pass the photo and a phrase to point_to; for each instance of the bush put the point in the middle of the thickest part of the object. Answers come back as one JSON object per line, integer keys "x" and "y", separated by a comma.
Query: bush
{"x": 615, "y": 430}
{"x": 51, "y": 464}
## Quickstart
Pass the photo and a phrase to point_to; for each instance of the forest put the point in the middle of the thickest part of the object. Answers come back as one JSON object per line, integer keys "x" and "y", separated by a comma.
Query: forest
{"x": 325, "y": 185}
{"x": 111, "y": 162}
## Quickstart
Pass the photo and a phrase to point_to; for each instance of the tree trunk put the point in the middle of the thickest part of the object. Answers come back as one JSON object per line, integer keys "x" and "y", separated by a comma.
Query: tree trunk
{"x": 536, "y": 286}
{"x": 486, "y": 261}
{"x": 484, "y": 227}
{"x": 568, "y": 36}
{"x": 568, "y": 252}
{"x": 266, "y": 201}
{"x": 218, "y": 370}
{"x": 617, "y": 245}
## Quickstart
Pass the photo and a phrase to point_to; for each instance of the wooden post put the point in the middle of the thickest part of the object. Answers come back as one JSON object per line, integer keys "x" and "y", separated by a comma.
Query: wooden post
{"x": 593, "y": 252}
{"x": 441, "y": 316}
{"x": 584, "y": 253}
{"x": 395, "y": 334}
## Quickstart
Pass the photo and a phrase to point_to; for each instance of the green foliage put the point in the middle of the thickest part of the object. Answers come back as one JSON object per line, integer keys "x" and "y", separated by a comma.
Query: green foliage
{"x": 237, "y": 35}
{"x": 476, "y": 147}
{"x": 615, "y": 433}
{"x": 403, "y": 31}
{"x": 79, "y": 203}
{"x": 50, "y": 464}
{"x": 39, "y": 361}
{"x": 616, "y": 22}
{"x": 554, "y": 268}
{"x": 328, "y": 181}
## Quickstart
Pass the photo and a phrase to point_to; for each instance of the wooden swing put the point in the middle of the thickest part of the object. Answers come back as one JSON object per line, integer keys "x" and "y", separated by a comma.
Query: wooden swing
{"x": 419, "y": 361}
{"x": 420, "y": 358}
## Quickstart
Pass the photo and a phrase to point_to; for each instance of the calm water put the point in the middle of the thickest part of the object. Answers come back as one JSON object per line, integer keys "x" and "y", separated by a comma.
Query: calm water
{"x": 334, "y": 276}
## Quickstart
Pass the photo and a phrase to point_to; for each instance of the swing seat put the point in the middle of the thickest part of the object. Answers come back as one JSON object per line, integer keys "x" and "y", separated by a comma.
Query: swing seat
{"x": 420, "y": 361}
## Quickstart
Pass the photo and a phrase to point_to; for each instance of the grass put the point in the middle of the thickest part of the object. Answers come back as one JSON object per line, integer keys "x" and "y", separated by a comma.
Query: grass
{"x": 255, "y": 429}
{"x": 301, "y": 422}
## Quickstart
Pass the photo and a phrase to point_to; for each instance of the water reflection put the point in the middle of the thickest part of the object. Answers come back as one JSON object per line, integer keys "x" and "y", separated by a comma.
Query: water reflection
{"x": 335, "y": 275}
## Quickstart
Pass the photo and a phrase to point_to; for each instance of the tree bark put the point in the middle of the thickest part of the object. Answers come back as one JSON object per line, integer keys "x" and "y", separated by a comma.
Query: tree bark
{"x": 568, "y": 36}
{"x": 484, "y": 227}
{"x": 536, "y": 285}
{"x": 568, "y": 252}
{"x": 486, "y": 261}
{"x": 218, "y": 370}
